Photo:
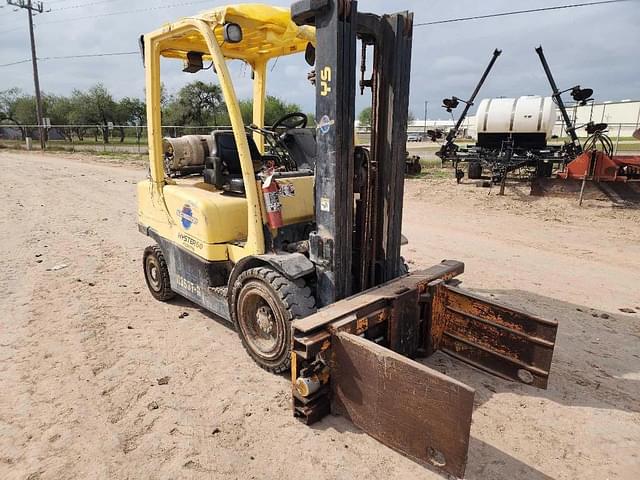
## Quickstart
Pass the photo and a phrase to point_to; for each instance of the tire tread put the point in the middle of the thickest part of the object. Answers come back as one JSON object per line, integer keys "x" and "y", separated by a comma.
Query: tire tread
{"x": 296, "y": 297}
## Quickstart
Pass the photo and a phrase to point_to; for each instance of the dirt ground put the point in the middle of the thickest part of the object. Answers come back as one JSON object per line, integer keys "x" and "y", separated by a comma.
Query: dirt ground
{"x": 83, "y": 344}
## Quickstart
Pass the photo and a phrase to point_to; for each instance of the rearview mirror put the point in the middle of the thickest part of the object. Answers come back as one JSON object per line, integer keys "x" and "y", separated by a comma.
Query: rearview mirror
{"x": 193, "y": 62}
{"x": 310, "y": 54}
{"x": 232, "y": 33}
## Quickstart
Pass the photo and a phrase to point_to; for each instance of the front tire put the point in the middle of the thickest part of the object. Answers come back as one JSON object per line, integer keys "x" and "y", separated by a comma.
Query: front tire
{"x": 264, "y": 304}
{"x": 156, "y": 274}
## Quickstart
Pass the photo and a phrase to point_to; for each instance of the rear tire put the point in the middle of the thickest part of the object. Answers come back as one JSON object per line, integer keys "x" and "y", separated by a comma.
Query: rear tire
{"x": 156, "y": 274}
{"x": 544, "y": 169}
{"x": 264, "y": 303}
{"x": 475, "y": 171}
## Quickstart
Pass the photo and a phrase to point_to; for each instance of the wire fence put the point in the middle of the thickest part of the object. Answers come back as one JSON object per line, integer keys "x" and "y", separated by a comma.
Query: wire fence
{"x": 97, "y": 138}
{"x": 133, "y": 138}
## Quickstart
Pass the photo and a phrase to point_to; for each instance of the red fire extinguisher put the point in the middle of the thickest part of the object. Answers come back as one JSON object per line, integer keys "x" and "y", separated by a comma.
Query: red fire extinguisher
{"x": 272, "y": 202}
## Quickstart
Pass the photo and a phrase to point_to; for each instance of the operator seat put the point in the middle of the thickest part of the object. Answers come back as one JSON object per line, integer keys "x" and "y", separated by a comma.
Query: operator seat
{"x": 301, "y": 143}
{"x": 222, "y": 166}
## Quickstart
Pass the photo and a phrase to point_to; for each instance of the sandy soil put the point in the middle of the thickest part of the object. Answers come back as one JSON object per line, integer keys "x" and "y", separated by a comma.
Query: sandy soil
{"x": 82, "y": 347}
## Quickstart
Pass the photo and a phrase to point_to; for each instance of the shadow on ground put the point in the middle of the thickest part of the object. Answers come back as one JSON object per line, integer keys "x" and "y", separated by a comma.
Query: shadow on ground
{"x": 596, "y": 364}
{"x": 596, "y": 361}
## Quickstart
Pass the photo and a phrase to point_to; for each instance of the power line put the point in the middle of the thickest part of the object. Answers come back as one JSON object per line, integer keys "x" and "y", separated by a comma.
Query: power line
{"x": 517, "y": 12}
{"x": 89, "y": 55}
{"x": 66, "y": 57}
{"x": 435, "y": 22}
{"x": 126, "y": 12}
{"x": 82, "y": 5}
{"x": 15, "y": 63}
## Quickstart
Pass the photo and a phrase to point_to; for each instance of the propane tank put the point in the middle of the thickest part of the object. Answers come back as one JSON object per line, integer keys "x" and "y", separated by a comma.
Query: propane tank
{"x": 186, "y": 151}
{"x": 272, "y": 202}
{"x": 527, "y": 114}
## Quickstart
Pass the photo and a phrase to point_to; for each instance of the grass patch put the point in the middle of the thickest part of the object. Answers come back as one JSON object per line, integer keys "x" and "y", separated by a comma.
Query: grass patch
{"x": 436, "y": 172}
{"x": 628, "y": 147}
{"x": 430, "y": 163}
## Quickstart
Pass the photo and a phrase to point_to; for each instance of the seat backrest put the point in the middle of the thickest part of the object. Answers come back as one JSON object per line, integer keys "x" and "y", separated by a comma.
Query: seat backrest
{"x": 227, "y": 151}
{"x": 301, "y": 143}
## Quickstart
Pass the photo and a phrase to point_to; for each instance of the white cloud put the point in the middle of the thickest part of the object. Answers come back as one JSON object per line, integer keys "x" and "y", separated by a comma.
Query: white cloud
{"x": 593, "y": 46}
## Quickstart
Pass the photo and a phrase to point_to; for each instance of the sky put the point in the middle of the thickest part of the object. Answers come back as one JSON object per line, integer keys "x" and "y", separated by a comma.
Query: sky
{"x": 594, "y": 47}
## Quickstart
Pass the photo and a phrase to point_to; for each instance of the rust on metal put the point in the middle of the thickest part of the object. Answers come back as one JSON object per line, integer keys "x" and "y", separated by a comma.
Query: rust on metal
{"x": 404, "y": 323}
{"x": 312, "y": 336}
{"x": 363, "y": 343}
{"x": 407, "y": 406}
{"x": 499, "y": 339}
{"x": 377, "y": 297}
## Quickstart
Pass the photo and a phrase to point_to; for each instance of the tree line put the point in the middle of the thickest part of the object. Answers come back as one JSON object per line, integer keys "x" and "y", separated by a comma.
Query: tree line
{"x": 89, "y": 112}
{"x": 365, "y": 117}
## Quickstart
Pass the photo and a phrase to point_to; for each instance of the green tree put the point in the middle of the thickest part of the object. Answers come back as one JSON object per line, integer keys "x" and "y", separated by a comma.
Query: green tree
{"x": 80, "y": 114}
{"x": 97, "y": 107}
{"x": 59, "y": 110}
{"x": 25, "y": 114}
{"x": 197, "y": 103}
{"x": 12, "y": 109}
{"x": 7, "y": 104}
{"x": 365, "y": 117}
{"x": 274, "y": 109}
{"x": 131, "y": 112}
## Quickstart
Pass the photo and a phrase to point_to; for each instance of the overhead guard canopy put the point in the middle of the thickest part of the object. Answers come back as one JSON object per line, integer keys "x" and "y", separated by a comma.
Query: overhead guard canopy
{"x": 268, "y": 32}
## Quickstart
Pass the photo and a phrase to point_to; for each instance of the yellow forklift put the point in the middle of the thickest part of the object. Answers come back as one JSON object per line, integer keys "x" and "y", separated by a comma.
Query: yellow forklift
{"x": 292, "y": 233}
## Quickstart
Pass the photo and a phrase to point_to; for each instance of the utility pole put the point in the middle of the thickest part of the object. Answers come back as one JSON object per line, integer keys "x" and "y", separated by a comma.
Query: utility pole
{"x": 426, "y": 102}
{"x": 31, "y": 7}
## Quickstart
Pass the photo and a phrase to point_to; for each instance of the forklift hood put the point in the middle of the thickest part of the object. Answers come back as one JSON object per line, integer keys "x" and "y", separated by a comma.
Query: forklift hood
{"x": 268, "y": 32}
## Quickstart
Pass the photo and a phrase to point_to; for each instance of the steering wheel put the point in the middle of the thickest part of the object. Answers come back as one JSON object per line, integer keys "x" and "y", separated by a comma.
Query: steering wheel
{"x": 291, "y": 120}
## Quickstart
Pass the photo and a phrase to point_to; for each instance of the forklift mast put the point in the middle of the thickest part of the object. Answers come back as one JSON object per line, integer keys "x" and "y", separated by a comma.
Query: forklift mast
{"x": 355, "y": 357}
{"x": 358, "y": 193}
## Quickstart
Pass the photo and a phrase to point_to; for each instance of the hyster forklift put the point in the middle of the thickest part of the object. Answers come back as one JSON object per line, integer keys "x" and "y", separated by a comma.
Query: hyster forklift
{"x": 292, "y": 233}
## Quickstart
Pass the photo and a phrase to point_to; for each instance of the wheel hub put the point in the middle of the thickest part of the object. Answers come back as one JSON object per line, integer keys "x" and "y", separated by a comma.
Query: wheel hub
{"x": 264, "y": 319}
{"x": 153, "y": 273}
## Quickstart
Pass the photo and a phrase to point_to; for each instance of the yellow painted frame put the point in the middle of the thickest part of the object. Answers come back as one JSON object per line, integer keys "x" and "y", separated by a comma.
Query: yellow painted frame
{"x": 176, "y": 39}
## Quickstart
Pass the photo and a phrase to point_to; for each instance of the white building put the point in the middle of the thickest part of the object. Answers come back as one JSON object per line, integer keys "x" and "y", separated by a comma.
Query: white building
{"x": 622, "y": 116}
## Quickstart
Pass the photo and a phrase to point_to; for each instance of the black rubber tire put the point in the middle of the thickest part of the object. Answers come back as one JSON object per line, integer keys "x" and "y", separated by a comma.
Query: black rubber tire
{"x": 544, "y": 169}
{"x": 404, "y": 267}
{"x": 475, "y": 171}
{"x": 263, "y": 293}
{"x": 156, "y": 273}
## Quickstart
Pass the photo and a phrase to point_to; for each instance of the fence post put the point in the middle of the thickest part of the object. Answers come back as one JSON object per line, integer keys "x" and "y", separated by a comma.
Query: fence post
{"x": 615, "y": 150}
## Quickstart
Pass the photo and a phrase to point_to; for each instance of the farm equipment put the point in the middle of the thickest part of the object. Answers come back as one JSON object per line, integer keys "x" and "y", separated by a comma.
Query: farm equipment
{"x": 449, "y": 150}
{"x": 594, "y": 160}
{"x": 512, "y": 133}
{"x": 293, "y": 234}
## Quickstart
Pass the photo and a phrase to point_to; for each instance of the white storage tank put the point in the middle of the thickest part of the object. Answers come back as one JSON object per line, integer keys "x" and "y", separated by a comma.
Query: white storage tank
{"x": 527, "y": 114}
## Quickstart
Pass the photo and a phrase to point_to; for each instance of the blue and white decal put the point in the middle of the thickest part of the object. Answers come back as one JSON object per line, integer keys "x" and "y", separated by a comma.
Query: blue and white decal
{"x": 186, "y": 216}
{"x": 324, "y": 125}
